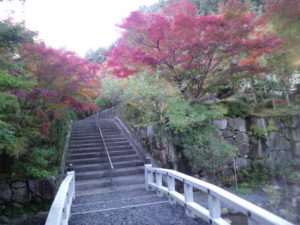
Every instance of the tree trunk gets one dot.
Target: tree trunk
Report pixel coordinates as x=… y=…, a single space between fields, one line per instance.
x=273 y=103
x=253 y=90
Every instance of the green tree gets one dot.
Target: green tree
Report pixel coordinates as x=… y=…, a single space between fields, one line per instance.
x=284 y=17
x=98 y=56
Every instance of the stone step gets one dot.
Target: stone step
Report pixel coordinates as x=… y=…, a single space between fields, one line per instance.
x=84 y=132
x=85 y=138
x=87 y=150
x=101 y=148
x=85 y=194
x=94 y=135
x=115 y=173
x=119 y=147
x=99 y=154
x=85 y=145
x=86 y=207
x=113 y=140
x=102 y=159
x=119 y=143
x=87 y=141
x=110 y=129
x=105 y=182
x=113 y=136
x=103 y=166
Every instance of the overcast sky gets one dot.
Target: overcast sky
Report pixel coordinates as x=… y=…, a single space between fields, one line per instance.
x=77 y=25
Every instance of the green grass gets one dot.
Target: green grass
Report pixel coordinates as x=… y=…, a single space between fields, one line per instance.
x=244 y=191
x=280 y=111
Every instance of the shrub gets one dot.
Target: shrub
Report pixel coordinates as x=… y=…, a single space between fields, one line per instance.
x=257 y=132
x=225 y=92
x=259 y=173
x=238 y=109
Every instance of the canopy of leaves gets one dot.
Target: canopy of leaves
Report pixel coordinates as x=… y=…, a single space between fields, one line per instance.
x=62 y=78
x=41 y=89
x=98 y=56
x=11 y=35
x=195 y=51
x=284 y=16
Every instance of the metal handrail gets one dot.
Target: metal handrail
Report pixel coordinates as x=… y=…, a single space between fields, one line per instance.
x=111 y=167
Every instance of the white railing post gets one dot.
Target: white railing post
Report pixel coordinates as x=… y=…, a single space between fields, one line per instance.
x=188 y=197
x=148 y=178
x=171 y=187
x=158 y=183
x=214 y=206
x=72 y=173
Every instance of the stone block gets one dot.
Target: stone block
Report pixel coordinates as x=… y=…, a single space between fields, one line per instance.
x=5 y=191
x=298 y=208
x=232 y=141
x=241 y=164
x=242 y=138
x=243 y=149
x=295 y=134
x=44 y=189
x=21 y=195
x=296 y=149
x=150 y=131
x=294 y=189
x=228 y=133
x=238 y=124
x=258 y=150
x=18 y=184
x=221 y=124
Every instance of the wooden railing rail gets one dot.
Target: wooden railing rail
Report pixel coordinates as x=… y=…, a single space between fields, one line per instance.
x=216 y=196
x=60 y=209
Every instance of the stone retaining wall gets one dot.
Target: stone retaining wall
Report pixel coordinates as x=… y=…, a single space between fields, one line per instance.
x=20 y=192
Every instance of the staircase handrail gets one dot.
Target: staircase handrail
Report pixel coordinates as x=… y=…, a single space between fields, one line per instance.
x=111 y=166
x=216 y=195
x=60 y=209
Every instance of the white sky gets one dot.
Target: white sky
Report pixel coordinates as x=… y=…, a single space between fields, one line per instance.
x=77 y=25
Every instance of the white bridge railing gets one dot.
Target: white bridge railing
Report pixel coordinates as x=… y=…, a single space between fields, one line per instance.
x=60 y=209
x=216 y=196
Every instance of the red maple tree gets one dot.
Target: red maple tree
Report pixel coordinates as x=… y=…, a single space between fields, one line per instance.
x=61 y=80
x=193 y=50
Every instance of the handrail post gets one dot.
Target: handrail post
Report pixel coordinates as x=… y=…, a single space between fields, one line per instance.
x=188 y=197
x=171 y=187
x=158 y=177
x=71 y=172
x=214 y=206
x=147 y=173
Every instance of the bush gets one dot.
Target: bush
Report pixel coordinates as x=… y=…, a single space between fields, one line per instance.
x=225 y=92
x=258 y=133
x=104 y=103
x=258 y=174
x=238 y=109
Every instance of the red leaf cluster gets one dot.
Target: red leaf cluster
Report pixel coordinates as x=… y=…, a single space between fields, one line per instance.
x=60 y=77
x=180 y=42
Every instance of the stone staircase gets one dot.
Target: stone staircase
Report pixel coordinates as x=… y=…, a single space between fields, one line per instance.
x=125 y=201
x=89 y=158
